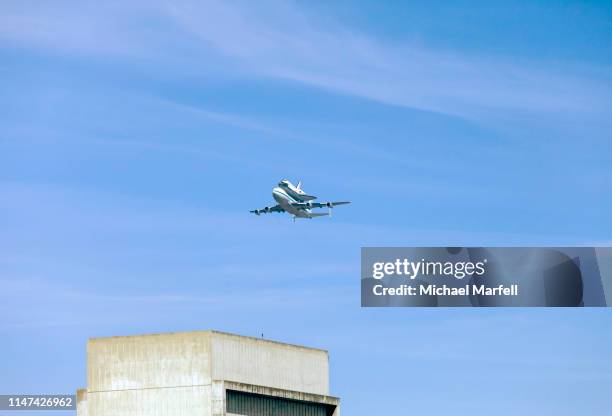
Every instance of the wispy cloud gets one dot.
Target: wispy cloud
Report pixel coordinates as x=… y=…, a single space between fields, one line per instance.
x=289 y=44
x=37 y=302
x=281 y=40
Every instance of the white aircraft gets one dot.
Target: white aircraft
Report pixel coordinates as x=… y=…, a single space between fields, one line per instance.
x=295 y=201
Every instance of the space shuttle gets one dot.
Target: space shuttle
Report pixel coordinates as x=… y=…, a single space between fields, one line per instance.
x=295 y=191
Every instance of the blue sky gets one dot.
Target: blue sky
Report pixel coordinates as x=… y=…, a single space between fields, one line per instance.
x=136 y=136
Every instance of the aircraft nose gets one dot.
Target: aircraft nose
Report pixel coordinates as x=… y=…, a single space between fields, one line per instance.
x=275 y=194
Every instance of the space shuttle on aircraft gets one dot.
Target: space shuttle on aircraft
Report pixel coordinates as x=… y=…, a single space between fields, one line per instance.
x=293 y=200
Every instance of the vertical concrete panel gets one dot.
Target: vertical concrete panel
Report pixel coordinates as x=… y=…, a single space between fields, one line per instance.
x=218 y=398
x=267 y=363
x=180 y=401
x=149 y=361
x=81 y=402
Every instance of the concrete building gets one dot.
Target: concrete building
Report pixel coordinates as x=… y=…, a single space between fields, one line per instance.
x=204 y=373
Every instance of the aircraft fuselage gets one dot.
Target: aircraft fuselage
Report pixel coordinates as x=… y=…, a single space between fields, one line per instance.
x=285 y=200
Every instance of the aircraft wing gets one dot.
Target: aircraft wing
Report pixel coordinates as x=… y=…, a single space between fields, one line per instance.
x=265 y=210
x=308 y=205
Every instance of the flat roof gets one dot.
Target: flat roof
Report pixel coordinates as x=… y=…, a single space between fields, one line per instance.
x=209 y=331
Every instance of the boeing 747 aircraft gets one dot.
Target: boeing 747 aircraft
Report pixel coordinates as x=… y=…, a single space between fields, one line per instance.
x=293 y=200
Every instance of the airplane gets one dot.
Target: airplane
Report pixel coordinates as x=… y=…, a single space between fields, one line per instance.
x=293 y=200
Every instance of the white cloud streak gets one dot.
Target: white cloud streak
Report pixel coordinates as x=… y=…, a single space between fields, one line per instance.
x=281 y=41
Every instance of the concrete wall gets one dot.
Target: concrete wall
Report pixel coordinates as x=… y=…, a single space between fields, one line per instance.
x=176 y=401
x=153 y=375
x=81 y=402
x=148 y=361
x=268 y=363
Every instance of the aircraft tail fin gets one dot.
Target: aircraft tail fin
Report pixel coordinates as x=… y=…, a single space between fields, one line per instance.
x=299 y=185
